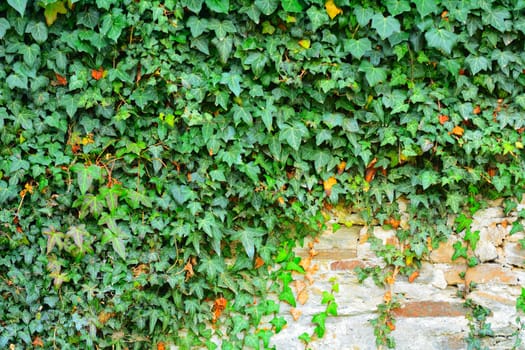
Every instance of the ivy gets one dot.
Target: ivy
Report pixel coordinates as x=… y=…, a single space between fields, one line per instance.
x=158 y=157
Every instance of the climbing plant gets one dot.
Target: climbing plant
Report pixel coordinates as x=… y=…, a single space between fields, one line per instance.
x=159 y=157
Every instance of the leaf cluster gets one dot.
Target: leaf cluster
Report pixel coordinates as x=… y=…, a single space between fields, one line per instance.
x=158 y=155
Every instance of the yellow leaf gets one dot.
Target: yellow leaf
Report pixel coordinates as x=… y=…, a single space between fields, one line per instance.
x=328 y=184
x=305 y=43
x=332 y=9
x=458 y=131
x=519 y=145
x=51 y=11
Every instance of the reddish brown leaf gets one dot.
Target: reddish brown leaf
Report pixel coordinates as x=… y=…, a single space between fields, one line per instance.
x=443 y=119
x=97 y=74
x=60 y=80
x=218 y=307
x=258 y=262
x=370 y=173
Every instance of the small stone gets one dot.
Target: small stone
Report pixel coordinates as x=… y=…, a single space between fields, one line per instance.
x=439 y=280
x=486 y=251
x=514 y=255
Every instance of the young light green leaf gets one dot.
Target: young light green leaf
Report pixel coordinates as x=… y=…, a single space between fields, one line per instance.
x=219 y=6
x=441 y=39
x=292 y=5
x=385 y=26
x=18 y=5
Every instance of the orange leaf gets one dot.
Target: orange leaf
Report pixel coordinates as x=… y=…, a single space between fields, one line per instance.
x=443 y=119
x=387 y=297
x=504 y=223
x=97 y=74
x=280 y=200
x=370 y=174
x=37 y=341
x=258 y=262
x=328 y=184
x=302 y=297
x=332 y=9
x=218 y=307
x=295 y=313
x=341 y=167
x=390 y=325
x=413 y=276
x=458 y=131
x=390 y=280
x=477 y=110
x=161 y=346
x=492 y=172
x=60 y=80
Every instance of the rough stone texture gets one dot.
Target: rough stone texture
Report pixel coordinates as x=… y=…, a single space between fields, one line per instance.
x=431 y=315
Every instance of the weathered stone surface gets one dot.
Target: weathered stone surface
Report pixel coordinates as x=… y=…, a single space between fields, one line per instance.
x=444 y=253
x=486 y=251
x=431 y=315
x=430 y=308
x=347 y=265
x=514 y=254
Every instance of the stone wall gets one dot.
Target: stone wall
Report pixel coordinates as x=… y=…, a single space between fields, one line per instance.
x=432 y=315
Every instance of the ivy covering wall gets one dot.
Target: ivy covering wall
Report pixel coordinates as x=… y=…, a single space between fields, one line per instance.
x=158 y=156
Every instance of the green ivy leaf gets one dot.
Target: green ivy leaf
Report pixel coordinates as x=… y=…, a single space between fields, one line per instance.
x=224 y=47
x=441 y=39
x=197 y=25
x=267 y=7
x=498 y=18
x=250 y=239
x=358 y=47
x=426 y=7
x=30 y=54
x=320 y=320
x=292 y=5
x=317 y=16
x=86 y=175
x=38 y=31
x=373 y=75
x=4 y=26
x=220 y=6
x=429 y=178
x=396 y=7
x=293 y=134
x=193 y=5
x=363 y=15
x=517 y=226
x=18 y=5
x=477 y=63
x=279 y=323
x=385 y=26
x=233 y=81
x=17 y=81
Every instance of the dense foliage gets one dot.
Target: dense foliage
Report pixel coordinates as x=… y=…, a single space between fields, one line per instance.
x=157 y=156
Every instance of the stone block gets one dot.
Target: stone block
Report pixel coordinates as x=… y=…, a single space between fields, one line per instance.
x=347 y=265
x=444 y=253
x=483 y=273
x=430 y=308
x=486 y=251
x=514 y=254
